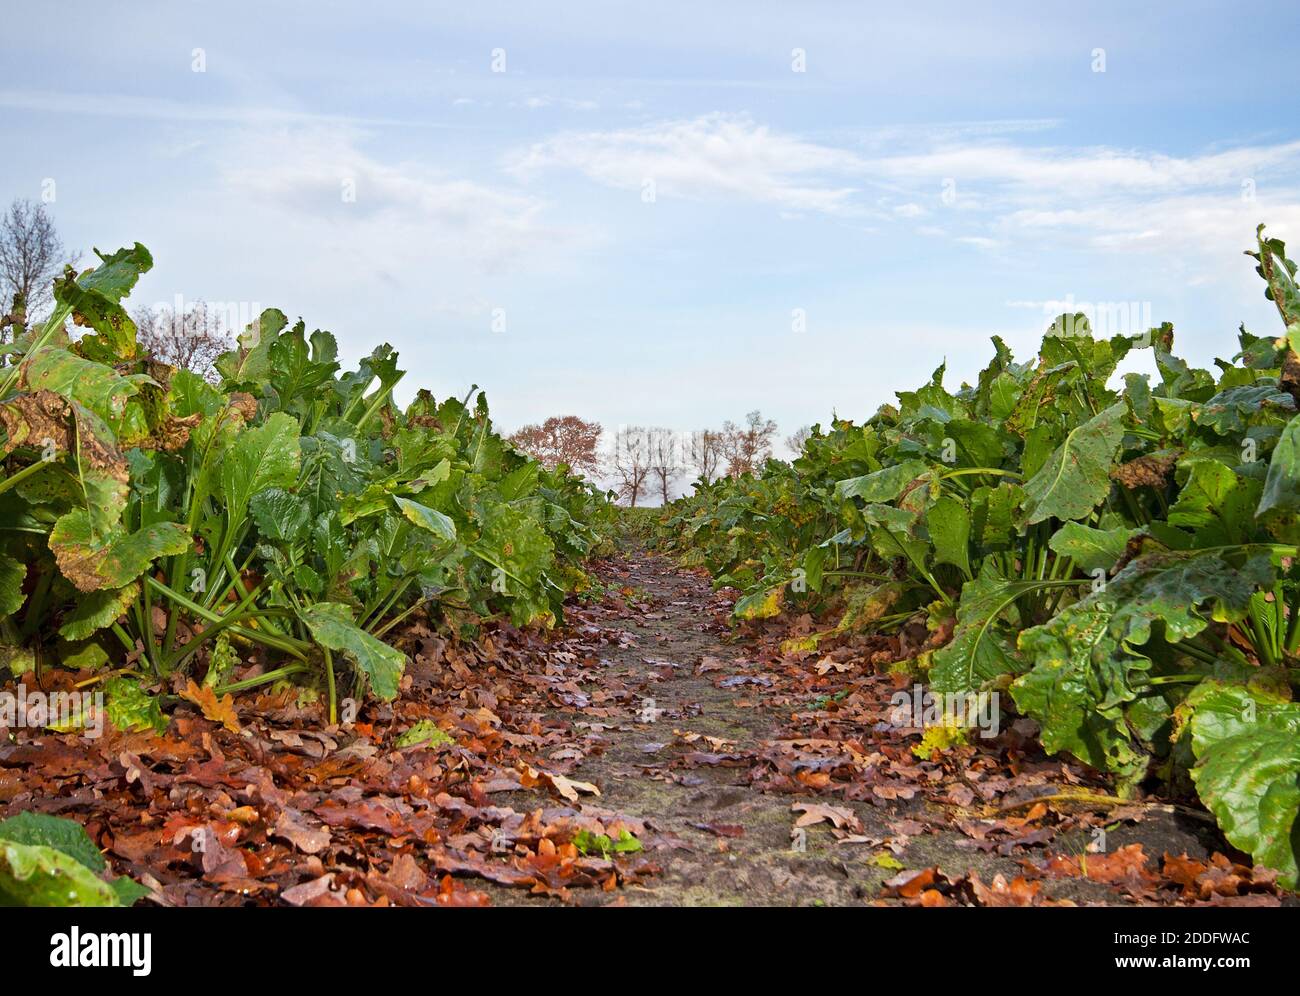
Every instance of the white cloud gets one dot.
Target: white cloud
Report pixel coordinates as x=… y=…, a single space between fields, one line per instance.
x=1210 y=223
x=540 y=102
x=1107 y=199
x=391 y=213
x=710 y=156
x=119 y=105
x=1079 y=172
x=1007 y=195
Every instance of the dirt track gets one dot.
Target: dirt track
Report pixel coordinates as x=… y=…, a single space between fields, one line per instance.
x=721 y=839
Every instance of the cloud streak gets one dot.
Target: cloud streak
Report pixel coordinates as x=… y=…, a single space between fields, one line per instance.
x=996 y=195
x=390 y=214
x=712 y=156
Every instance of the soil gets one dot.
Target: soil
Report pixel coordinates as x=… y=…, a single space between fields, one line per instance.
x=721 y=840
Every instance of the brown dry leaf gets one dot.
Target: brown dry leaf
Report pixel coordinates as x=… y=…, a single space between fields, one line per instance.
x=138 y=846
x=219 y=861
x=571 y=789
x=813 y=779
x=1127 y=864
x=219 y=711
x=828 y=664
x=816 y=812
x=1184 y=871
x=566 y=787
x=317 y=892
x=136 y=770
x=406 y=873
x=717 y=743
x=1036 y=812
x=1219 y=878
x=721 y=829
x=291 y=826
x=244 y=815
x=1018 y=892
x=910 y=884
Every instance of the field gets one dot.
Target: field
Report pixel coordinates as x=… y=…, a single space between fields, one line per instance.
x=270 y=638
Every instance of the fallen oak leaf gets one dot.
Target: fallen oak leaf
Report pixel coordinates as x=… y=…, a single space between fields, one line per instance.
x=1219 y=877
x=136 y=770
x=406 y=873
x=452 y=894
x=219 y=711
x=566 y=787
x=316 y=892
x=817 y=812
x=571 y=789
x=910 y=884
x=721 y=829
x=137 y=847
x=1000 y=892
x=1127 y=865
x=218 y=860
x=813 y=779
x=244 y=815
x=828 y=664
x=291 y=826
x=1255 y=899
x=1184 y=871
x=1036 y=812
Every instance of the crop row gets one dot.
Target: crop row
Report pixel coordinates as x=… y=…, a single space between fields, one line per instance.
x=157 y=525
x=1118 y=553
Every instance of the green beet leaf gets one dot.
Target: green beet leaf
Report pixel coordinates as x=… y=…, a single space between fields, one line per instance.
x=1247 y=746
x=980 y=650
x=1087 y=662
x=91 y=563
x=949 y=525
x=32 y=875
x=53 y=831
x=1076 y=477
x=51 y=861
x=96 y=610
x=428 y=519
x=882 y=485
x=12 y=573
x=1282 y=485
x=1091 y=549
x=263 y=457
x=332 y=626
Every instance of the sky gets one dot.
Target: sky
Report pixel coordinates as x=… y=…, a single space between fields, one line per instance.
x=672 y=213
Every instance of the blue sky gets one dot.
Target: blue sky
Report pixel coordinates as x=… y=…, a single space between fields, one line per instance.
x=936 y=174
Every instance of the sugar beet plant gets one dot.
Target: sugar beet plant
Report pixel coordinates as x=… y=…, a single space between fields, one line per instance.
x=1119 y=554
x=154 y=524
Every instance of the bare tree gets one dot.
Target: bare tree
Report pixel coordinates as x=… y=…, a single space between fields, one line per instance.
x=563 y=439
x=747 y=446
x=797 y=438
x=31 y=256
x=631 y=462
x=706 y=454
x=188 y=340
x=664 y=465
